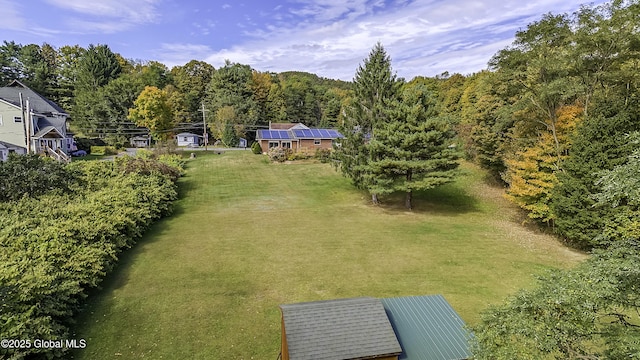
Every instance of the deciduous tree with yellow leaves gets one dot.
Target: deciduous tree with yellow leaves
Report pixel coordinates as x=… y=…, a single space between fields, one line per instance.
x=152 y=109
x=531 y=172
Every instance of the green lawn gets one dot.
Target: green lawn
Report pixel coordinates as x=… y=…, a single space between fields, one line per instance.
x=248 y=235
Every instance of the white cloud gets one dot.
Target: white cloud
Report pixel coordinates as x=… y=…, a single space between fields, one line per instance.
x=332 y=37
x=11 y=16
x=175 y=54
x=108 y=15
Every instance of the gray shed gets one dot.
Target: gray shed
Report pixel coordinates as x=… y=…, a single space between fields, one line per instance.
x=338 y=329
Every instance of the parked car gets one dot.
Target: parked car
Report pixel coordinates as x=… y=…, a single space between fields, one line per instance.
x=79 y=153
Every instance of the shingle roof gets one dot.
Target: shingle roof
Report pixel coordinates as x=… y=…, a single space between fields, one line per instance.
x=44 y=131
x=428 y=328
x=338 y=329
x=37 y=102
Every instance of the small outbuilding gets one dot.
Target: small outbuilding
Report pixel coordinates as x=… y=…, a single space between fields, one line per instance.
x=346 y=329
x=189 y=139
x=428 y=327
x=403 y=328
x=140 y=141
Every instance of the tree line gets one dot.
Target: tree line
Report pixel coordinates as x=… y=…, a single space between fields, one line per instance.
x=554 y=113
x=98 y=87
x=556 y=119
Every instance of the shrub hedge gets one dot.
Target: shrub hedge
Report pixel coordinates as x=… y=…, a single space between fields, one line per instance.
x=55 y=248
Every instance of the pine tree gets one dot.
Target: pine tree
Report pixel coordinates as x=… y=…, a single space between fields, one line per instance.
x=411 y=149
x=600 y=144
x=375 y=84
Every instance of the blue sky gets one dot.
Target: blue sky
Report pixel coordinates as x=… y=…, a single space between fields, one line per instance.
x=326 y=37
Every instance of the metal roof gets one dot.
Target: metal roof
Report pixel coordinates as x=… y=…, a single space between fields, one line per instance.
x=338 y=329
x=428 y=328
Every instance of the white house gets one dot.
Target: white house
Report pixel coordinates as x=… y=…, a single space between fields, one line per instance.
x=29 y=120
x=188 y=139
x=140 y=141
x=6 y=149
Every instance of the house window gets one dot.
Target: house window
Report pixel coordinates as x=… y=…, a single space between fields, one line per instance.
x=316 y=142
x=273 y=144
x=17 y=119
x=286 y=144
x=185 y=139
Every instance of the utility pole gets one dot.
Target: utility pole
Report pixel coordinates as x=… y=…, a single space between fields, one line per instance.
x=24 y=124
x=204 y=127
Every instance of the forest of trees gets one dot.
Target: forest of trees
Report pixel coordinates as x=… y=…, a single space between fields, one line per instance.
x=555 y=119
x=97 y=87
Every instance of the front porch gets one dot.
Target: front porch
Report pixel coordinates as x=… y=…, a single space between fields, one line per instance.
x=50 y=142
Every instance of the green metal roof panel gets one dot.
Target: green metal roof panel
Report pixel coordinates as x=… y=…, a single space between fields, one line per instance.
x=428 y=328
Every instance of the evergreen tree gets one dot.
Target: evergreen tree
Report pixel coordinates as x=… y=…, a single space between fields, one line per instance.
x=412 y=148
x=374 y=85
x=600 y=144
x=97 y=66
x=10 y=66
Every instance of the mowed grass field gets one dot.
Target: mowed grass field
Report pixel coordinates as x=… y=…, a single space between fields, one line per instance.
x=248 y=235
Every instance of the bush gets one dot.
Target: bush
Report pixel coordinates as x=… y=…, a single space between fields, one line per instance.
x=33 y=176
x=279 y=154
x=324 y=155
x=166 y=147
x=256 y=149
x=58 y=247
x=86 y=143
x=299 y=155
x=129 y=165
x=103 y=150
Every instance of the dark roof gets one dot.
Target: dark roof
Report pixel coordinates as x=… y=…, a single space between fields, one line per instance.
x=338 y=329
x=37 y=102
x=44 y=131
x=428 y=328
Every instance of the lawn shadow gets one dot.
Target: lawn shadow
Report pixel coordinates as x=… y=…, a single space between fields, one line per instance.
x=449 y=199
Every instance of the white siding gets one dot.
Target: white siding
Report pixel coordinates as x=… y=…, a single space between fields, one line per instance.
x=11 y=132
